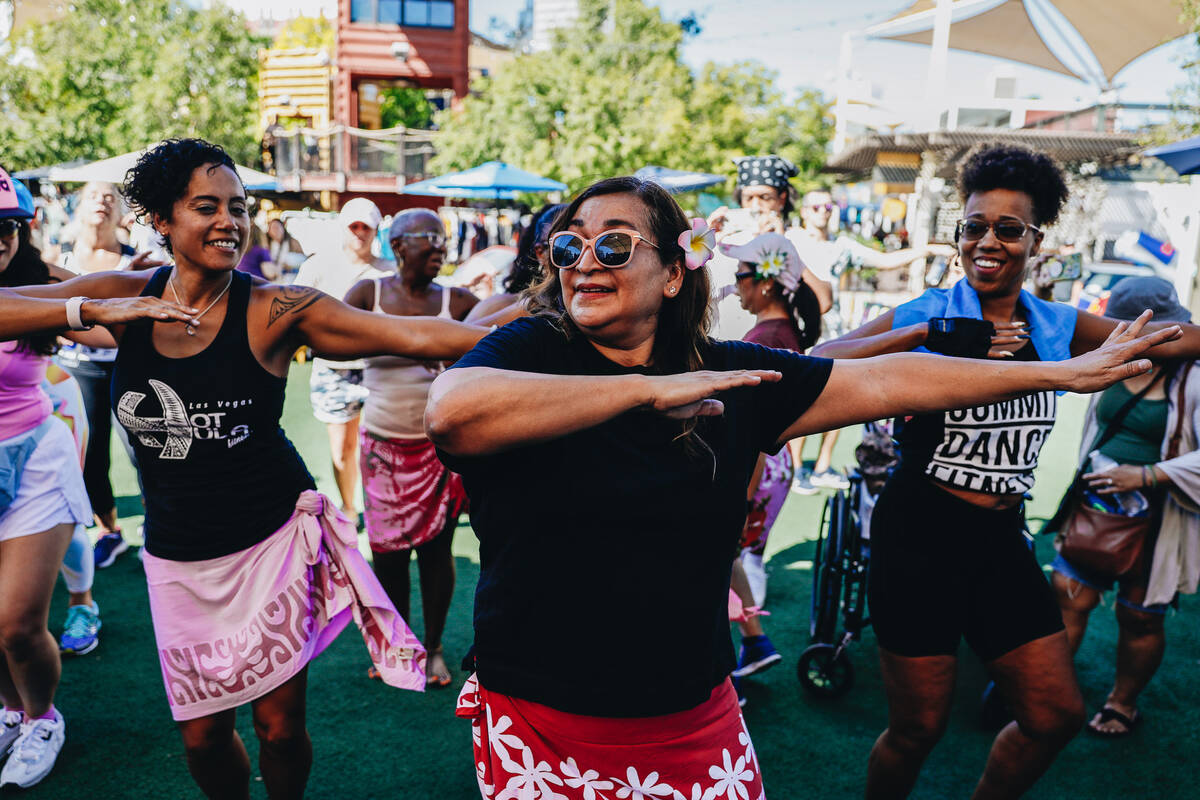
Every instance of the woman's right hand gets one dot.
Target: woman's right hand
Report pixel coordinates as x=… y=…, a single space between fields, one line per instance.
x=119 y=310
x=717 y=219
x=1008 y=334
x=689 y=394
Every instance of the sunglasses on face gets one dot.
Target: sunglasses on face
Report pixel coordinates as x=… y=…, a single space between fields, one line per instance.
x=1006 y=230
x=611 y=249
x=435 y=239
x=822 y=207
x=739 y=275
x=9 y=228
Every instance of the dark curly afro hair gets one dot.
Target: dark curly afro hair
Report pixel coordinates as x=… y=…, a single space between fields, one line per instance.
x=1006 y=166
x=161 y=175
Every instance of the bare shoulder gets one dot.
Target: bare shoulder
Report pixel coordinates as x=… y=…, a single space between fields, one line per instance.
x=285 y=301
x=461 y=301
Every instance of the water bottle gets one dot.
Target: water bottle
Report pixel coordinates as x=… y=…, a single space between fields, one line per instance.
x=1132 y=503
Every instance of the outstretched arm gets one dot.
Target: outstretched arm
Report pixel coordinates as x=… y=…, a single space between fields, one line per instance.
x=482 y=410
x=914 y=383
x=112 y=301
x=1091 y=331
x=335 y=330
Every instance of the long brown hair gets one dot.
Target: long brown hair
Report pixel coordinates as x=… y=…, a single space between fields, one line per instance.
x=681 y=337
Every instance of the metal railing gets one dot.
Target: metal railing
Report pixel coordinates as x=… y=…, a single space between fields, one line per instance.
x=354 y=151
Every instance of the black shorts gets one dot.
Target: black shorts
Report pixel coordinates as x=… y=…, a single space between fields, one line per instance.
x=943 y=569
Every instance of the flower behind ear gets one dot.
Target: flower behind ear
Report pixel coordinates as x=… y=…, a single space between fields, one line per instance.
x=698 y=243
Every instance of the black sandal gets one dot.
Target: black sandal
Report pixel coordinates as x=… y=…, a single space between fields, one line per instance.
x=1110 y=714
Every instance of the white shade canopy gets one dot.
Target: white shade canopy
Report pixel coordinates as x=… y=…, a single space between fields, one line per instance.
x=1115 y=31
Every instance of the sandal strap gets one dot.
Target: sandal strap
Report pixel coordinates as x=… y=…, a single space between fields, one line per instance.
x=1110 y=714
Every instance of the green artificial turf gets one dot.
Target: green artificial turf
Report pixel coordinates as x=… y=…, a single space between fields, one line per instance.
x=372 y=741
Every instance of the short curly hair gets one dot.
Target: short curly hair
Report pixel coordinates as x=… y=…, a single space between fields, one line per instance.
x=162 y=173
x=990 y=166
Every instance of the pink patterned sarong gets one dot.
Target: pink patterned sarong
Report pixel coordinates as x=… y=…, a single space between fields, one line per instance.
x=408 y=494
x=232 y=629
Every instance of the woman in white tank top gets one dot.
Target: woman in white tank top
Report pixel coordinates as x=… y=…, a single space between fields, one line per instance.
x=411 y=501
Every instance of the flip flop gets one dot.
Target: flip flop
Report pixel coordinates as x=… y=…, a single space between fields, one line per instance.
x=1109 y=714
x=439 y=682
x=373 y=674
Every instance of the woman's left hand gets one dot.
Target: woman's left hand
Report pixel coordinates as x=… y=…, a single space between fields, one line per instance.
x=1121 y=478
x=1118 y=358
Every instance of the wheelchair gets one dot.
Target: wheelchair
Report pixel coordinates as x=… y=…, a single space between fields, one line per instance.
x=839 y=594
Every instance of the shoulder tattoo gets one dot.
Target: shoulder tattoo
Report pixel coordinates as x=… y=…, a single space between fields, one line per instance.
x=292 y=300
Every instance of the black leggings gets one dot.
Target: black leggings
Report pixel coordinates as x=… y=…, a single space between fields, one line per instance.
x=95 y=380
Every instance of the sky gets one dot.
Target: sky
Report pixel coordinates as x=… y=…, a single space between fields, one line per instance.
x=800 y=39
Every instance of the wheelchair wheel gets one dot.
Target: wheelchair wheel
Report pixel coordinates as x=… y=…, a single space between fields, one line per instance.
x=827 y=570
x=825 y=672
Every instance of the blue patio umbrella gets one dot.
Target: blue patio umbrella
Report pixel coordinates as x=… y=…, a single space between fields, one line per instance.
x=494 y=179
x=1182 y=156
x=677 y=180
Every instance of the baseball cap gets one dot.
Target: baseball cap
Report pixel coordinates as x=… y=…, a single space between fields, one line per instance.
x=774 y=255
x=15 y=199
x=360 y=209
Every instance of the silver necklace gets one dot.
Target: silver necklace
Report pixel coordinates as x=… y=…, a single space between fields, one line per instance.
x=191 y=329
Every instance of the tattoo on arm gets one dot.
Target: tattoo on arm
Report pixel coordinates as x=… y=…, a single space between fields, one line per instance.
x=292 y=300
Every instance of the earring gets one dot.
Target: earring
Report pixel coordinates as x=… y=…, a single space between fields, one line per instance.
x=672 y=290
x=765 y=293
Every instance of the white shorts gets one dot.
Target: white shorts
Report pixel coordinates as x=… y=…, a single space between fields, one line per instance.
x=51 y=491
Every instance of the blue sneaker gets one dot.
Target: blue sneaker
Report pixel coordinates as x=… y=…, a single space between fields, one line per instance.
x=737 y=687
x=757 y=654
x=108 y=547
x=81 y=632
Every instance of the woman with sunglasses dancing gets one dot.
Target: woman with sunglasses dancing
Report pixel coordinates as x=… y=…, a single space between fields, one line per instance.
x=410 y=500
x=643 y=432
x=251 y=572
x=948 y=558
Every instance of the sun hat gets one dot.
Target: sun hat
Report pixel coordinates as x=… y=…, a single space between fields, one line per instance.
x=15 y=199
x=1131 y=296
x=772 y=255
x=360 y=209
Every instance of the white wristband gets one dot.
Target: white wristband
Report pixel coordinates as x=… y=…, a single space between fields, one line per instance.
x=74 y=320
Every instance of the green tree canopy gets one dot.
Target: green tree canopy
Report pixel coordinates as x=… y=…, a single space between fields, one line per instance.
x=305 y=32
x=112 y=76
x=613 y=94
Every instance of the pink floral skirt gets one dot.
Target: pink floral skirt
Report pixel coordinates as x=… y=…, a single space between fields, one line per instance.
x=232 y=629
x=408 y=494
x=530 y=751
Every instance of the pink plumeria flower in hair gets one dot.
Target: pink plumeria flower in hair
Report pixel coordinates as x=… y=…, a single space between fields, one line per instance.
x=698 y=243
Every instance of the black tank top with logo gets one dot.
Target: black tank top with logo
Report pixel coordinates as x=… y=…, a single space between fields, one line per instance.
x=218 y=472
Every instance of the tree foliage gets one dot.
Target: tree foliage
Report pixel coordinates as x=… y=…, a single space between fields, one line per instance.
x=613 y=94
x=1185 y=121
x=112 y=76
x=404 y=107
x=306 y=32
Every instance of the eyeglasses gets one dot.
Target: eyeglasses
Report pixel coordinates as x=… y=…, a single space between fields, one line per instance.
x=9 y=228
x=737 y=276
x=435 y=239
x=822 y=207
x=611 y=249
x=1006 y=230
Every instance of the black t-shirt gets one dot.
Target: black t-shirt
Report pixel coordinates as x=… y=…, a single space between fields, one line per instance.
x=606 y=554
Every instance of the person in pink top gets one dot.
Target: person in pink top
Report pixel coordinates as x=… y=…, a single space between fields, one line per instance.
x=42 y=503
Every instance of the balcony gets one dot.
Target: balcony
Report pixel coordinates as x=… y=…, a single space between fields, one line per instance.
x=344 y=159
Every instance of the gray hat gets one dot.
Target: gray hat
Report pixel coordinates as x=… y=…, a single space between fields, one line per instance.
x=1131 y=296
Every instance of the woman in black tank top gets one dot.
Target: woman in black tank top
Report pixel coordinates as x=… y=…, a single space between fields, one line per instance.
x=198 y=384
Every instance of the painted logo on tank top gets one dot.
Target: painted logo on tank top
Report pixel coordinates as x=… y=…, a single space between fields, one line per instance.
x=180 y=422
x=994 y=448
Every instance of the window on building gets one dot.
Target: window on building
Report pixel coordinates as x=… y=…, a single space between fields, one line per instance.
x=413 y=13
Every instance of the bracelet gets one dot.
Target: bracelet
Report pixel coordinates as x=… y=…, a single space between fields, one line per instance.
x=74 y=319
x=1147 y=475
x=1153 y=476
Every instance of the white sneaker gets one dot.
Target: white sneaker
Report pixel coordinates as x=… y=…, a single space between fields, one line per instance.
x=35 y=752
x=10 y=729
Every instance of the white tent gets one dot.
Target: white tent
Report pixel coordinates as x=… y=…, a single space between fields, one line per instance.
x=113 y=170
